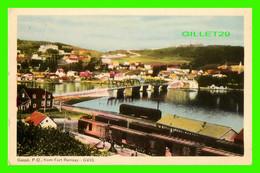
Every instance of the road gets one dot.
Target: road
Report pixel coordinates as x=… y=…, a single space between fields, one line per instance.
x=134 y=54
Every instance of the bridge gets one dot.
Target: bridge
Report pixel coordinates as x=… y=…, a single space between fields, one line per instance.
x=102 y=92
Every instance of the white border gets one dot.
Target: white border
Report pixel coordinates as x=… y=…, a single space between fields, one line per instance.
x=197 y=160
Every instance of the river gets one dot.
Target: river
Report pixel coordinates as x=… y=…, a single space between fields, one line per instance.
x=224 y=107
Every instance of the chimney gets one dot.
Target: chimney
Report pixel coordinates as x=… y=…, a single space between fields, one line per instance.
x=204 y=124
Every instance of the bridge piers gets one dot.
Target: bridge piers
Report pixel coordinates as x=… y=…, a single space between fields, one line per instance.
x=143 y=88
x=120 y=93
x=156 y=89
x=164 y=88
x=136 y=91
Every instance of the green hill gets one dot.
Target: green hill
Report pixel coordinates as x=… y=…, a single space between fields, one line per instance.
x=29 y=47
x=197 y=56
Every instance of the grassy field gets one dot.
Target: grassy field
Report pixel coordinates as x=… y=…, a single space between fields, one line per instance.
x=73 y=99
x=55 y=113
x=155 y=61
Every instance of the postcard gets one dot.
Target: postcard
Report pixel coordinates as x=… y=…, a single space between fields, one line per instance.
x=128 y=86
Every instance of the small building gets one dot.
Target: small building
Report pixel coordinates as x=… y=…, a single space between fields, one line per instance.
x=223 y=67
x=115 y=63
x=27 y=77
x=132 y=67
x=110 y=66
x=39 y=119
x=72 y=60
x=219 y=75
x=60 y=72
x=72 y=73
x=61 y=52
x=30 y=99
x=81 y=58
x=150 y=72
x=37 y=57
x=165 y=73
x=239 y=138
x=112 y=74
x=87 y=74
x=148 y=67
x=237 y=68
x=119 y=76
x=106 y=61
x=44 y=48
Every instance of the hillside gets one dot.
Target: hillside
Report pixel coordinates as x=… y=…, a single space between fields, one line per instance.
x=197 y=56
x=29 y=47
x=190 y=56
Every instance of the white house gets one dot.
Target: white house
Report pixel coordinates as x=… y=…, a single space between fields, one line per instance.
x=200 y=72
x=72 y=73
x=39 y=119
x=27 y=76
x=106 y=61
x=148 y=67
x=150 y=72
x=219 y=75
x=60 y=72
x=37 y=57
x=119 y=76
x=110 y=66
x=72 y=60
x=126 y=63
x=43 y=48
x=132 y=67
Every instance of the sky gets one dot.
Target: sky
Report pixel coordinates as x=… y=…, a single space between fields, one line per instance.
x=104 y=33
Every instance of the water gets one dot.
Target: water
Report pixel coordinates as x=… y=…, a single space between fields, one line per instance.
x=65 y=87
x=71 y=125
x=218 y=107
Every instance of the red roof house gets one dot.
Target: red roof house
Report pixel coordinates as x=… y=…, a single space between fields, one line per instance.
x=240 y=137
x=40 y=119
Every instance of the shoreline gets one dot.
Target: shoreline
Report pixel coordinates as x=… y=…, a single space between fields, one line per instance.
x=70 y=100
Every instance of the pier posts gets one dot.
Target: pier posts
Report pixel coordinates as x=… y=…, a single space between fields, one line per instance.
x=120 y=93
x=136 y=91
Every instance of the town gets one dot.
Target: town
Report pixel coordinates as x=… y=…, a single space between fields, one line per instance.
x=134 y=130
x=80 y=65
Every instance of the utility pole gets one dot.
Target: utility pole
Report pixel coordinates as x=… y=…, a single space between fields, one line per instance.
x=60 y=100
x=158 y=103
x=64 y=125
x=44 y=100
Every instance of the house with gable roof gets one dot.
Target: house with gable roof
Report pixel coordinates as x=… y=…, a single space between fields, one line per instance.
x=30 y=99
x=39 y=119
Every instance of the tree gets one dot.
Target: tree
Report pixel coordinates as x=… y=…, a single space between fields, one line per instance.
x=52 y=52
x=36 y=141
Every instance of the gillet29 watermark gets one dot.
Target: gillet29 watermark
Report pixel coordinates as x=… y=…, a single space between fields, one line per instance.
x=206 y=34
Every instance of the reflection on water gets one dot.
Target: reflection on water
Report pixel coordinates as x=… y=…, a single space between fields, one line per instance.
x=218 y=108
x=181 y=96
x=62 y=88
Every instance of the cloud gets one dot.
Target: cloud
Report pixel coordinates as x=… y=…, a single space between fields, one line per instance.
x=126 y=32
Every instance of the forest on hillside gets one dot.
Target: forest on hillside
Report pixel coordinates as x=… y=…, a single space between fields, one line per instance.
x=201 y=57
